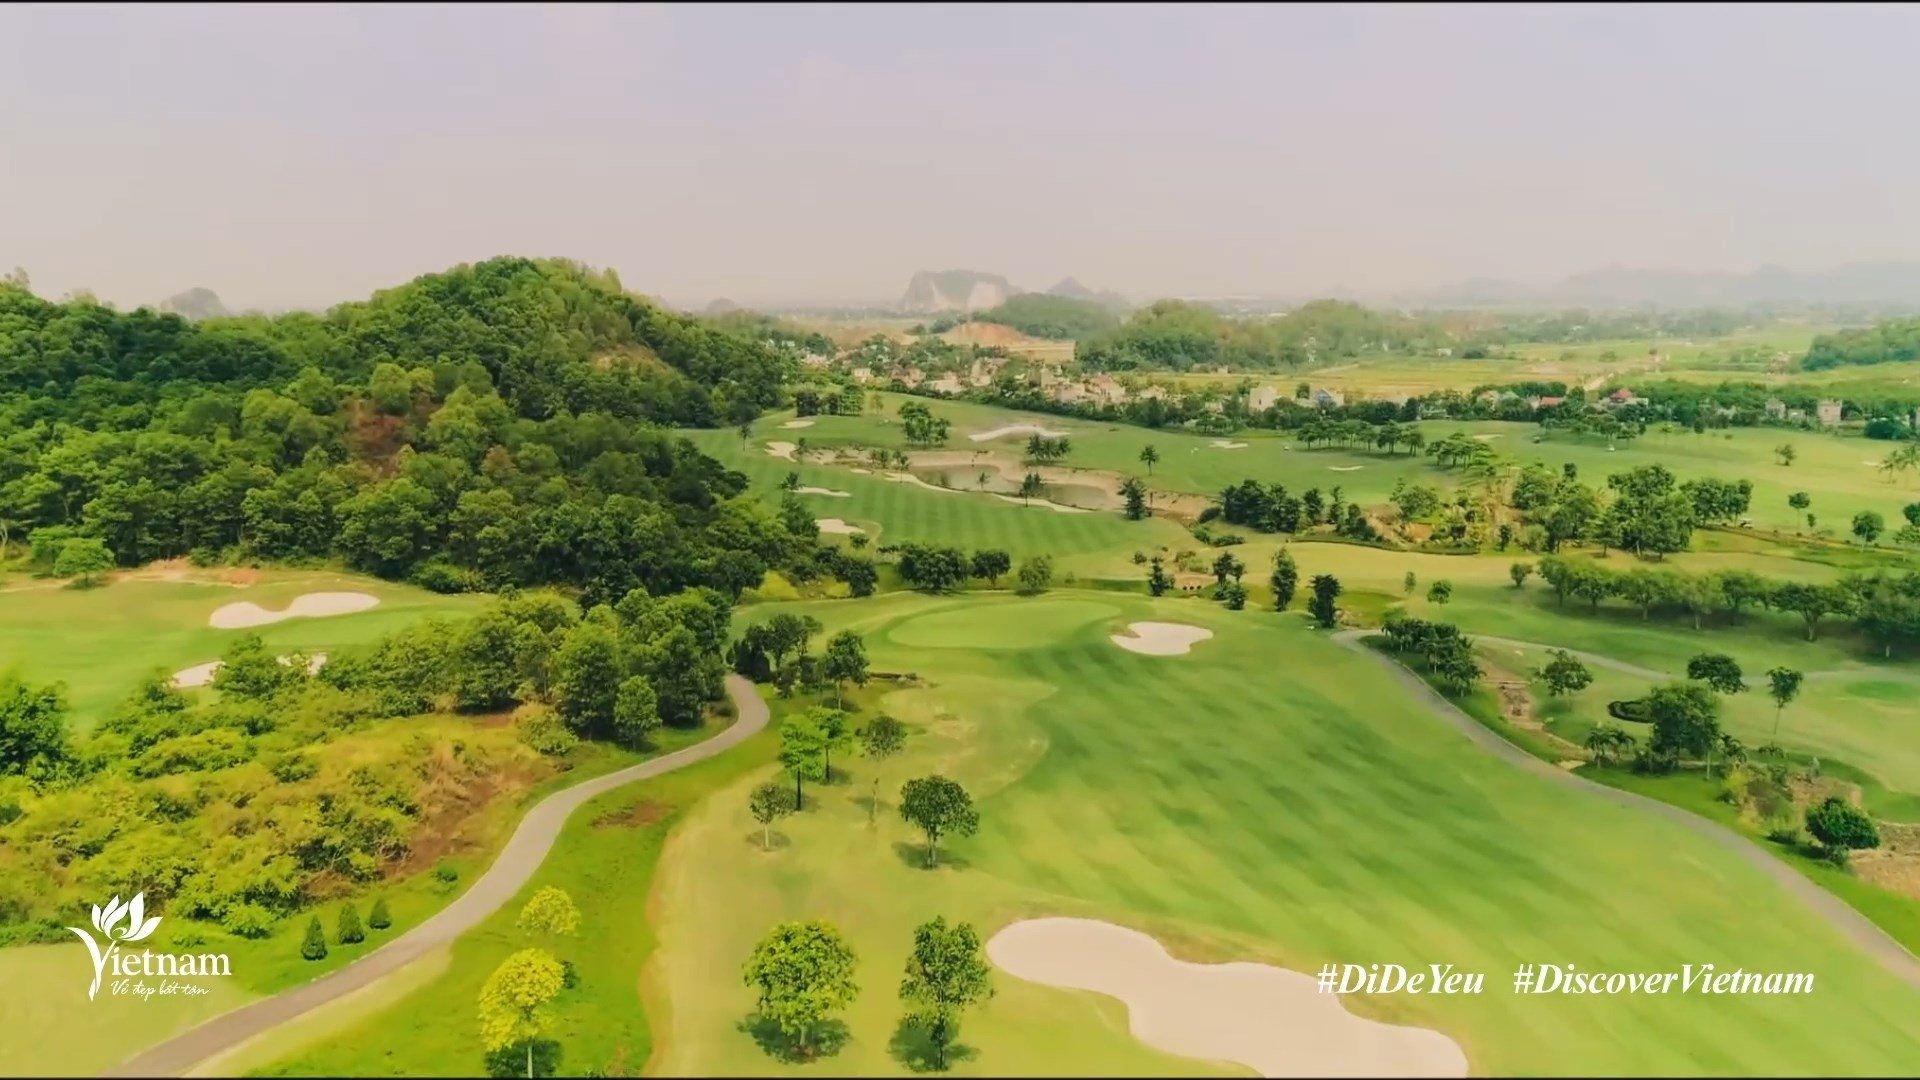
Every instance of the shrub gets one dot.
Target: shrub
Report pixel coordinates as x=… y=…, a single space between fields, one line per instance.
x=445 y=874
x=250 y=921
x=349 y=931
x=444 y=577
x=314 y=947
x=378 y=917
x=544 y=733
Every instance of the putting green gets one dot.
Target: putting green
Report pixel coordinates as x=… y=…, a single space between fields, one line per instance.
x=1269 y=799
x=1000 y=624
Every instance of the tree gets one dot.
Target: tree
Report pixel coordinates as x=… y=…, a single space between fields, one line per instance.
x=1868 y=525
x=1440 y=592
x=378 y=918
x=1031 y=486
x=1285 y=580
x=1408 y=584
x=1783 y=685
x=1136 y=495
x=803 y=972
x=1035 y=575
x=946 y=973
x=1227 y=566
x=33 y=725
x=1326 y=589
x=845 y=661
x=1519 y=572
x=1840 y=827
x=938 y=807
x=1718 y=671
x=586 y=679
x=348 y=931
x=1608 y=743
x=1565 y=674
x=1149 y=457
x=1785 y=453
x=882 y=738
x=1234 y=595
x=636 y=712
x=803 y=751
x=1911 y=512
x=1685 y=718
x=549 y=911
x=1799 y=500
x=768 y=803
x=1158 y=581
x=84 y=559
x=513 y=1001
x=314 y=945
x=1810 y=602
x=991 y=563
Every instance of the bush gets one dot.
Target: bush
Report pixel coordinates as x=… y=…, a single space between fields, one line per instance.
x=1633 y=712
x=544 y=733
x=569 y=975
x=378 y=917
x=249 y=921
x=349 y=931
x=445 y=874
x=444 y=577
x=314 y=947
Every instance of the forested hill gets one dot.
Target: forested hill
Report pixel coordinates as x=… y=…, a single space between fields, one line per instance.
x=479 y=428
x=1177 y=335
x=551 y=336
x=1883 y=343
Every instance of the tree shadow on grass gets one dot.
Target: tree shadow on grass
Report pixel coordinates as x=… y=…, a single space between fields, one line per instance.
x=914 y=857
x=768 y=843
x=512 y=1061
x=911 y=1047
x=828 y=1038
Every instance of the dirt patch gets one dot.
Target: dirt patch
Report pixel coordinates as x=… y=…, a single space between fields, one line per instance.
x=644 y=812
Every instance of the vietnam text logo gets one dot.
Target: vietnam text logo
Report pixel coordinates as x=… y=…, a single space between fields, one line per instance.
x=123 y=924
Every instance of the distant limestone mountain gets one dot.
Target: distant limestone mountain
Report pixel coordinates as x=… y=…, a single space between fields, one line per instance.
x=1073 y=290
x=722 y=306
x=1895 y=283
x=956 y=290
x=195 y=303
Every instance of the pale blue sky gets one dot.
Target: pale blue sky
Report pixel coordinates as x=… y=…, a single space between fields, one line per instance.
x=302 y=155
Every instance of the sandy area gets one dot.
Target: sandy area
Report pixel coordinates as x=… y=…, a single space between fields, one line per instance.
x=202 y=674
x=1058 y=508
x=797 y=424
x=864 y=472
x=1015 y=429
x=1269 y=1019
x=1488 y=438
x=1161 y=638
x=909 y=478
x=312 y=605
x=1228 y=444
x=823 y=491
x=835 y=525
x=782 y=449
x=1346 y=468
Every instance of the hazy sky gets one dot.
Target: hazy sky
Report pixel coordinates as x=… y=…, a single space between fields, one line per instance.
x=301 y=155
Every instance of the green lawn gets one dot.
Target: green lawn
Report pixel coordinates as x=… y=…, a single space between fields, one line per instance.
x=103 y=641
x=1258 y=799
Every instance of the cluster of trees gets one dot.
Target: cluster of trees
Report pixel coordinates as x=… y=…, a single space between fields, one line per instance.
x=846 y=400
x=228 y=808
x=1446 y=653
x=472 y=429
x=1059 y=318
x=1645 y=510
x=1883 y=343
x=1175 y=335
x=1883 y=607
x=1272 y=508
x=1042 y=449
x=937 y=568
x=921 y=426
x=515 y=999
x=803 y=973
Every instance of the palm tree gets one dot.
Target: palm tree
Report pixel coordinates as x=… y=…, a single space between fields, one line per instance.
x=1149 y=456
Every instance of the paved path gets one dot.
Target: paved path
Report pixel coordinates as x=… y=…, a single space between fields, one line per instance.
x=524 y=853
x=1851 y=924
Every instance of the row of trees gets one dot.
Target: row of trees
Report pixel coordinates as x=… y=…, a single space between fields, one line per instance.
x=937 y=569
x=1446 y=653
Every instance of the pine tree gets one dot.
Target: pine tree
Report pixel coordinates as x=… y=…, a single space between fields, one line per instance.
x=349 y=932
x=378 y=917
x=315 y=945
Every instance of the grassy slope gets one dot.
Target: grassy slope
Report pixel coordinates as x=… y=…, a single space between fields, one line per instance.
x=1240 y=802
x=605 y=858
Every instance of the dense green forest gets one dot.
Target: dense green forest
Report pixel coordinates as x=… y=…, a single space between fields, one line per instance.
x=1179 y=336
x=1882 y=343
x=1060 y=318
x=489 y=426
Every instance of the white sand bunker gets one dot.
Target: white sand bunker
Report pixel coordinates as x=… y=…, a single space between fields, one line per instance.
x=1486 y=438
x=835 y=525
x=1058 y=508
x=797 y=424
x=823 y=491
x=1273 y=1021
x=864 y=472
x=1228 y=444
x=1161 y=638
x=1346 y=468
x=202 y=674
x=313 y=605
x=782 y=449
x=1015 y=429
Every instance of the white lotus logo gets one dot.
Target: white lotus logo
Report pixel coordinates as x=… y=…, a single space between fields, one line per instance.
x=116 y=923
